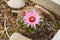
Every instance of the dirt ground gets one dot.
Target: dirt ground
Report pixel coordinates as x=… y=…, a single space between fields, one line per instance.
x=11 y=22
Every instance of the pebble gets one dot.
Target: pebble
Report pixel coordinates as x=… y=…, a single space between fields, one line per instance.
x=57 y=36
x=18 y=36
x=16 y=3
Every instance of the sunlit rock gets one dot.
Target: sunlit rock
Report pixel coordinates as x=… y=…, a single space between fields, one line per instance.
x=16 y=3
x=57 y=36
x=18 y=36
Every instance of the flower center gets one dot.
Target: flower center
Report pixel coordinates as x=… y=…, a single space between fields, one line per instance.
x=32 y=19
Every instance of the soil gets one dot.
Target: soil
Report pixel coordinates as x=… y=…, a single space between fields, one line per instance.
x=46 y=31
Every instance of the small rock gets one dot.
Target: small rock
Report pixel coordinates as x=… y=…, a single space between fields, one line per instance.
x=18 y=36
x=56 y=1
x=16 y=3
x=57 y=36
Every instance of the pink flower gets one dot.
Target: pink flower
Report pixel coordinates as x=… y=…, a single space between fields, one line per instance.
x=32 y=18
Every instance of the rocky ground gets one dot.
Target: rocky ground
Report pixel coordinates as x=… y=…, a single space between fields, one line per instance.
x=13 y=24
